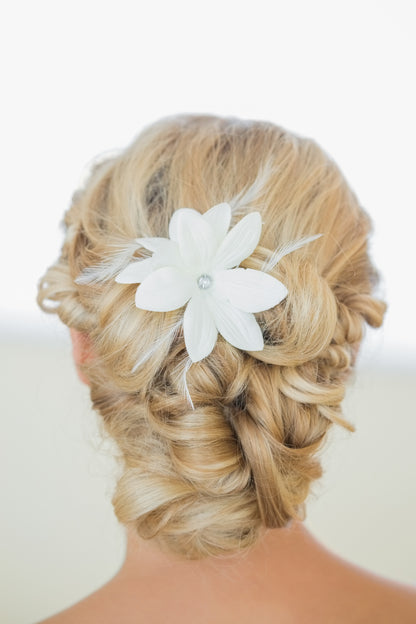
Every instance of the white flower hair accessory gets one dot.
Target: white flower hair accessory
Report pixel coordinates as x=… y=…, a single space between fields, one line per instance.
x=198 y=266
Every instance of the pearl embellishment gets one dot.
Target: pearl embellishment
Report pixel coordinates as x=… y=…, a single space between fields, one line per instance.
x=204 y=281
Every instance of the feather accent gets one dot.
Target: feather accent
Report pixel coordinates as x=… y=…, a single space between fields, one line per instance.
x=251 y=194
x=167 y=336
x=187 y=366
x=109 y=268
x=286 y=249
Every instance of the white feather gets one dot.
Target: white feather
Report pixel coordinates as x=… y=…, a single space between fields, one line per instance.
x=168 y=335
x=187 y=366
x=251 y=194
x=286 y=249
x=109 y=268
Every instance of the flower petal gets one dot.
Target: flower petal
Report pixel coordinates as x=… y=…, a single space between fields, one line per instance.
x=158 y=244
x=167 y=288
x=199 y=328
x=136 y=272
x=240 y=242
x=196 y=240
x=237 y=327
x=166 y=251
x=219 y=217
x=248 y=289
x=174 y=221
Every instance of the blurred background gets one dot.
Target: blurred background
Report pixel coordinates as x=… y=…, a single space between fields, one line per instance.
x=82 y=78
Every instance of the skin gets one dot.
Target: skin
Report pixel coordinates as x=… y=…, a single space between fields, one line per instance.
x=288 y=577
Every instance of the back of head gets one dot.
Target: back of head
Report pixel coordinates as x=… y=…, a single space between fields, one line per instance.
x=206 y=481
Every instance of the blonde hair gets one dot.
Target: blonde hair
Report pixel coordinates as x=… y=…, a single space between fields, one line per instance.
x=207 y=482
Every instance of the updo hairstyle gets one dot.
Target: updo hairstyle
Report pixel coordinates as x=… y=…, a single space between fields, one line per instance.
x=208 y=481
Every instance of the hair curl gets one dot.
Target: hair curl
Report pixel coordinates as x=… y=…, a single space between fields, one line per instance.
x=206 y=482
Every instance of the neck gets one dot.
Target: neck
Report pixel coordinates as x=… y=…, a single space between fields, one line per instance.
x=285 y=546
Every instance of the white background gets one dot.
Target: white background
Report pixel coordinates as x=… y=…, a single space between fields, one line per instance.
x=82 y=78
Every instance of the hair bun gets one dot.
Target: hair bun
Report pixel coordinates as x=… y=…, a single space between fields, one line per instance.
x=207 y=481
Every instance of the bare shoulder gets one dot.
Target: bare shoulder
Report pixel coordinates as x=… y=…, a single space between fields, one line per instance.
x=315 y=587
x=103 y=606
x=362 y=598
x=374 y=598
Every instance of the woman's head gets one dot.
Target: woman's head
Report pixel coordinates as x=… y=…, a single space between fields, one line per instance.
x=207 y=481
